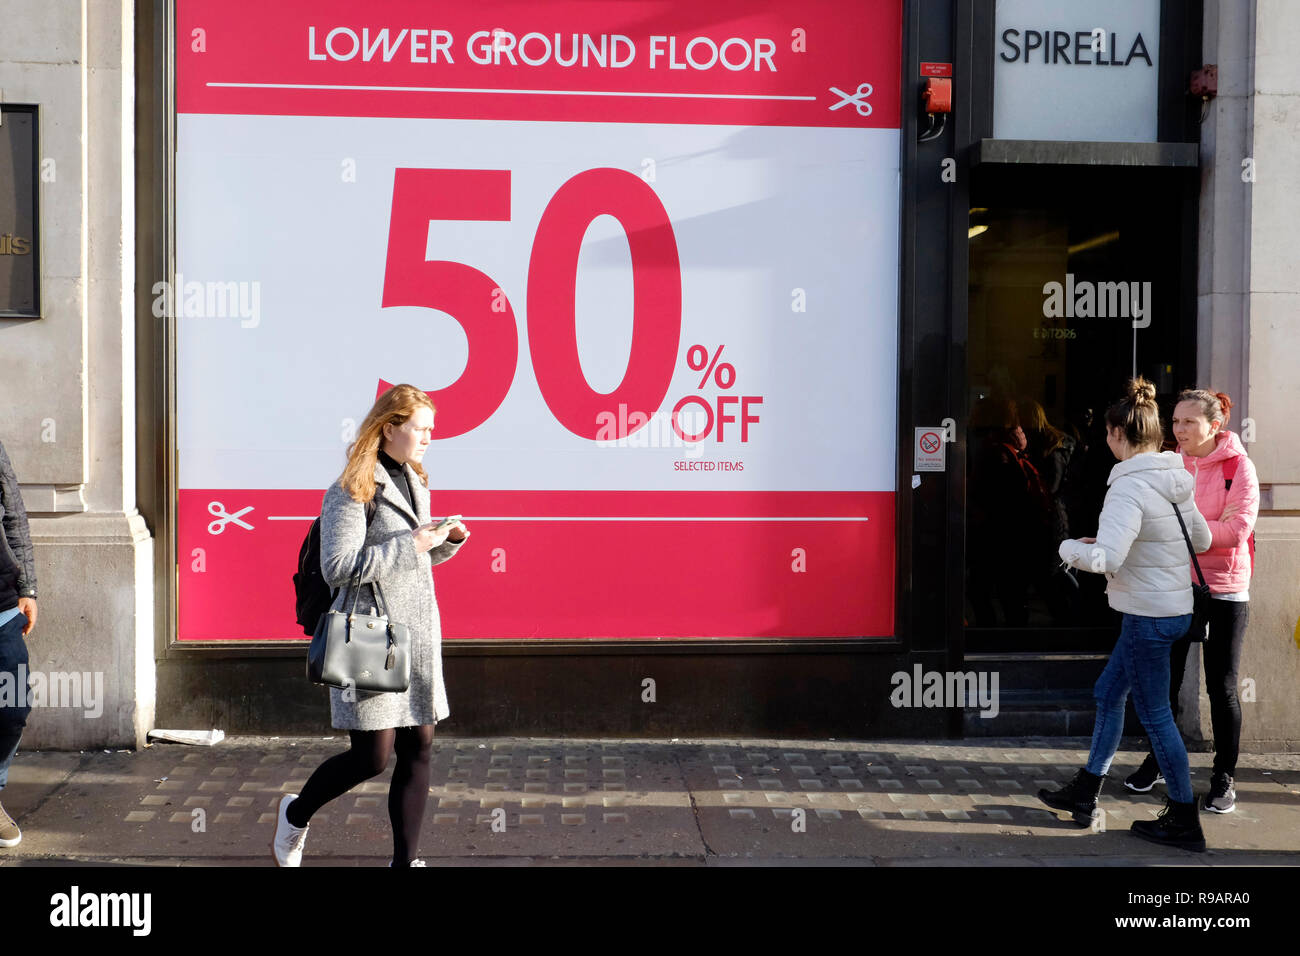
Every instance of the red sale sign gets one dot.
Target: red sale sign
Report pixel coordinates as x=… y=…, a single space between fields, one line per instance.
x=645 y=267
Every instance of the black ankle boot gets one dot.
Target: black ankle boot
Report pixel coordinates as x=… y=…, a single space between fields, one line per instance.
x=1078 y=797
x=1179 y=824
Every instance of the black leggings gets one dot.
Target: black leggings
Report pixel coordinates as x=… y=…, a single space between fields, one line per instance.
x=407 y=794
x=1221 y=657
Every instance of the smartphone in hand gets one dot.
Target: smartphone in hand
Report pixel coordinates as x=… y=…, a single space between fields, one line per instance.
x=447 y=521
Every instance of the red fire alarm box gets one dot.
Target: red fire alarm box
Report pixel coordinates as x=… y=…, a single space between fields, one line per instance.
x=937 y=96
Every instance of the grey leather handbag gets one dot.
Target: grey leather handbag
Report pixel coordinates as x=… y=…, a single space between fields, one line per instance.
x=366 y=652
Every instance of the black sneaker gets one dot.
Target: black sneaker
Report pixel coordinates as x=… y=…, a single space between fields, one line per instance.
x=1222 y=797
x=1146 y=776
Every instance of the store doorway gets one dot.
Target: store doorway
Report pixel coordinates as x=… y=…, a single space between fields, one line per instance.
x=1078 y=277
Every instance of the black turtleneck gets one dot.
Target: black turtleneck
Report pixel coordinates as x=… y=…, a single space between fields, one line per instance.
x=398 y=474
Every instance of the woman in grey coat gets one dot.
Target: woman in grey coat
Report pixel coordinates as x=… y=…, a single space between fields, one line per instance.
x=397 y=547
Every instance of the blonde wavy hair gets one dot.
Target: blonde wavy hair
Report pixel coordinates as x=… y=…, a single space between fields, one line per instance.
x=393 y=407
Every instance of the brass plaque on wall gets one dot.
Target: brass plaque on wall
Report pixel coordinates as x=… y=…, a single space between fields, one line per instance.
x=20 y=267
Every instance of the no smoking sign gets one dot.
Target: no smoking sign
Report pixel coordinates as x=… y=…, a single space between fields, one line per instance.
x=927 y=450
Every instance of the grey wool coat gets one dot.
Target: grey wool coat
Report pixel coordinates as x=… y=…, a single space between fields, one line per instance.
x=386 y=552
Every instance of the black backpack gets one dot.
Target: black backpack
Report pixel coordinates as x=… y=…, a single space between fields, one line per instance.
x=312 y=596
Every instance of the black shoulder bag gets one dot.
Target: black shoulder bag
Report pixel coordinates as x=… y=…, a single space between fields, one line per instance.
x=1200 y=592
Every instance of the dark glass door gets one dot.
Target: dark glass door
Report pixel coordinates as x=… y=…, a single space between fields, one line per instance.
x=1078 y=278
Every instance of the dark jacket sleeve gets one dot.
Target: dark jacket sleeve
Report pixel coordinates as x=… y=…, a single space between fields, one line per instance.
x=18 y=538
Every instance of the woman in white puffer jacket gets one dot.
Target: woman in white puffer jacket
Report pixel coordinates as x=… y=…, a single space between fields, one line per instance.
x=1141 y=550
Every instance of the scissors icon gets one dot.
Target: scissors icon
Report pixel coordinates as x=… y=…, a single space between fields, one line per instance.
x=858 y=99
x=224 y=518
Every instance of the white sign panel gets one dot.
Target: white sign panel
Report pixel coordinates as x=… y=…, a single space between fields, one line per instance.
x=927 y=449
x=1064 y=70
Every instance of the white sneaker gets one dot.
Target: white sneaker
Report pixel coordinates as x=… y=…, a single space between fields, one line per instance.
x=412 y=863
x=289 y=840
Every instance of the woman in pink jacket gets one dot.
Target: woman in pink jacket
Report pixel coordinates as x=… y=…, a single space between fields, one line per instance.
x=1227 y=494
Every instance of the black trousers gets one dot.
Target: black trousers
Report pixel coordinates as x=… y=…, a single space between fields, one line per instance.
x=1220 y=658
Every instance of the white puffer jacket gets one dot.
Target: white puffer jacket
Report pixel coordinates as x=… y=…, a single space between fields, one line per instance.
x=1140 y=546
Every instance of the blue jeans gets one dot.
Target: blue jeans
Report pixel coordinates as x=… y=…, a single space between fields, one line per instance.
x=1140 y=663
x=14 y=699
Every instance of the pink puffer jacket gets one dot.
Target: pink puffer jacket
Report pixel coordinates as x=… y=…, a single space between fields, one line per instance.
x=1230 y=514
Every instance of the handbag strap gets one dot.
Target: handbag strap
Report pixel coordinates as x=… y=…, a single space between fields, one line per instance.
x=1196 y=564
x=355 y=581
x=356 y=593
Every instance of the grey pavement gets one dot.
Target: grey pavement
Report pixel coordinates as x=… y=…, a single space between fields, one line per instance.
x=531 y=801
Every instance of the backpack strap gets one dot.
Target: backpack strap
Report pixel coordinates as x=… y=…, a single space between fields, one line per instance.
x=371 y=507
x=1229 y=472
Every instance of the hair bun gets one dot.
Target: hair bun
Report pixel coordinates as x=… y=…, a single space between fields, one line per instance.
x=1141 y=392
x=1224 y=402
